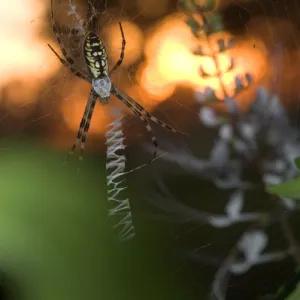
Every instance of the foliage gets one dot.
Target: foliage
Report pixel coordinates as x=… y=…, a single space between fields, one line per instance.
x=204 y=26
x=290 y=189
x=261 y=137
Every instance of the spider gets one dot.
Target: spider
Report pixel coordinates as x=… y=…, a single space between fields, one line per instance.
x=99 y=77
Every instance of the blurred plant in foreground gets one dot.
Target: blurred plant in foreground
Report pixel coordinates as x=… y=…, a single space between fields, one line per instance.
x=260 y=138
x=264 y=139
x=206 y=24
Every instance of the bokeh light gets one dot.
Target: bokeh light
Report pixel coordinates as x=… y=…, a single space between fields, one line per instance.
x=24 y=55
x=160 y=57
x=170 y=59
x=134 y=42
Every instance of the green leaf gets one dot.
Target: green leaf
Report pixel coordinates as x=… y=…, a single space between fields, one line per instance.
x=293 y=287
x=297 y=162
x=295 y=295
x=290 y=189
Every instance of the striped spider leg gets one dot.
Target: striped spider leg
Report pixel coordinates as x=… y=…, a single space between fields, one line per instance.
x=144 y=115
x=119 y=94
x=69 y=62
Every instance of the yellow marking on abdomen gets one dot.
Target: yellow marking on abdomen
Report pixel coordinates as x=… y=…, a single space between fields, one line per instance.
x=95 y=55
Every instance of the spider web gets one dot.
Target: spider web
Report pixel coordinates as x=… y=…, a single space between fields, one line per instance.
x=201 y=251
x=78 y=19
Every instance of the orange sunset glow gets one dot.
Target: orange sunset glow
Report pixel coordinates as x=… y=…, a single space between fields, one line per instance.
x=24 y=55
x=170 y=60
x=166 y=48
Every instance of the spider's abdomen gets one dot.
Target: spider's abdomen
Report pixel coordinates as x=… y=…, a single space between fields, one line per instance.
x=95 y=55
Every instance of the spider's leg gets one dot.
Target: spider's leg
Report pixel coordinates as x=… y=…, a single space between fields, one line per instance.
x=161 y=123
x=117 y=92
x=148 y=127
x=119 y=62
x=55 y=31
x=81 y=127
x=94 y=97
x=68 y=61
x=65 y=63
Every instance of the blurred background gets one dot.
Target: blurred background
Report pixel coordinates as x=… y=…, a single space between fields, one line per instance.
x=158 y=67
x=55 y=237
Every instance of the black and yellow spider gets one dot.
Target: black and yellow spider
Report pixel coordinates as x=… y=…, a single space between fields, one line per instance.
x=98 y=75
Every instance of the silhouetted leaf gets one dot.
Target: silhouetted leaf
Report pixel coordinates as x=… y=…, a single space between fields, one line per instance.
x=290 y=189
